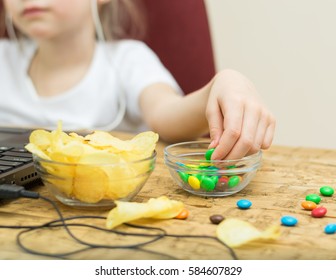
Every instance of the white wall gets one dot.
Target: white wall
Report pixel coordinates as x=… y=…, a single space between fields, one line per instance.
x=288 y=49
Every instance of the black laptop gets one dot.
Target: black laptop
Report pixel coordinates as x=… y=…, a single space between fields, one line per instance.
x=16 y=163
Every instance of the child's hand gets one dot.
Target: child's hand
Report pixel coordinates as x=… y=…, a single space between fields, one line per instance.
x=239 y=123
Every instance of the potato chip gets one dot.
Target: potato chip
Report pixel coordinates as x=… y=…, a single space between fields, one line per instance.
x=34 y=149
x=144 y=143
x=122 y=180
x=61 y=176
x=156 y=208
x=64 y=185
x=235 y=232
x=40 y=138
x=101 y=139
x=89 y=184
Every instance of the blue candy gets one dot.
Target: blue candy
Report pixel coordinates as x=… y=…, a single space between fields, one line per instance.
x=330 y=229
x=244 y=204
x=289 y=221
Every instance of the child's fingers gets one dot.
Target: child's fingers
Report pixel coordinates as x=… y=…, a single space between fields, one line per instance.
x=269 y=135
x=233 y=119
x=260 y=135
x=264 y=135
x=215 y=121
x=248 y=133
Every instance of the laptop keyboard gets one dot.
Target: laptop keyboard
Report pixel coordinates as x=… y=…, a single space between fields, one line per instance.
x=12 y=157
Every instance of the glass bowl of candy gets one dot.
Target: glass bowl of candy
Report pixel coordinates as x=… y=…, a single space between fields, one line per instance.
x=191 y=167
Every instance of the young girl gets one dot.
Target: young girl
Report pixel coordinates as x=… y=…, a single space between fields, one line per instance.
x=58 y=65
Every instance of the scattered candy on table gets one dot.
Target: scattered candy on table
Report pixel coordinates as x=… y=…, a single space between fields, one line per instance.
x=327 y=191
x=308 y=205
x=319 y=212
x=183 y=214
x=216 y=219
x=330 y=229
x=244 y=204
x=289 y=221
x=314 y=198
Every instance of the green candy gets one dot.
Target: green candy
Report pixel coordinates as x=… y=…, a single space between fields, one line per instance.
x=199 y=177
x=327 y=191
x=231 y=167
x=314 y=198
x=208 y=184
x=233 y=181
x=209 y=153
x=214 y=179
x=183 y=176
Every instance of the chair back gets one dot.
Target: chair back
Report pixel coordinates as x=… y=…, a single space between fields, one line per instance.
x=178 y=31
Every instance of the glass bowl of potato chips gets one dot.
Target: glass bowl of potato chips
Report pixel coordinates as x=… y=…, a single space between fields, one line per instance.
x=92 y=170
x=191 y=167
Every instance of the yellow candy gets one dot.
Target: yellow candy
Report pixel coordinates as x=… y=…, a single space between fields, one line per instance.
x=194 y=182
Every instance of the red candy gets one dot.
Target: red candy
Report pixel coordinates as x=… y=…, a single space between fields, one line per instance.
x=223 y=179
x=319 y=212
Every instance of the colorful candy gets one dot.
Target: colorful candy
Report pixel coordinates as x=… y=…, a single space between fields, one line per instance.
x=183 y=214
x=327 y=191
x=289 y=221
x=223 y=179
x=206 y=176
x=314 y=198
x=208 y=184
x=308 y=205
x=208 y=154
x=214 y=179
x=183 y=176
x=233 y=181
x=216 y=219
x=330 y=229
x=194 y=182
x=319 y=212
x=244 y=204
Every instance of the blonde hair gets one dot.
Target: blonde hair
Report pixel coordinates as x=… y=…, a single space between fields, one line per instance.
x=123 y=19
x=120 y=19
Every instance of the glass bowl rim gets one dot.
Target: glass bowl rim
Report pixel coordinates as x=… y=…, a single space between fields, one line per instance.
x=168 y=155
x=36 y=158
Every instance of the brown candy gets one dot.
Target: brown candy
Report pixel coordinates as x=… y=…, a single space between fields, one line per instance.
x=216 y=219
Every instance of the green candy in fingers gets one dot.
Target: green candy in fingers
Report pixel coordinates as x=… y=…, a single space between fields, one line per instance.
x=209 y=153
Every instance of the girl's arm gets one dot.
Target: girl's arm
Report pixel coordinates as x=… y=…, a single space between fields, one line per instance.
x=228 y=107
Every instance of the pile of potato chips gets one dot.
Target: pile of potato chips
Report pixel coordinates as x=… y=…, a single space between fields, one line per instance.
x=95 y=167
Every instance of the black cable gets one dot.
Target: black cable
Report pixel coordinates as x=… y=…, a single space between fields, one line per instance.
x=62 y=223
x=7 y=191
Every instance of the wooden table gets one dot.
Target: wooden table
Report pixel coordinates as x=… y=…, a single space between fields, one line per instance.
x=287 y=175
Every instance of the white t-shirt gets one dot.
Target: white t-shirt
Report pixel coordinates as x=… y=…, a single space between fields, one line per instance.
x=125 y=67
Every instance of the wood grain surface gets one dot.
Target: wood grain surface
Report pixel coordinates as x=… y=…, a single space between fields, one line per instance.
x=286 y=176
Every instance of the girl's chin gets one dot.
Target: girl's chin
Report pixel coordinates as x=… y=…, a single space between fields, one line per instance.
x=39 y=34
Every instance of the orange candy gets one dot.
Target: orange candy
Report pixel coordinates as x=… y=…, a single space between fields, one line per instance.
x=183 y=214
x=308 y=205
